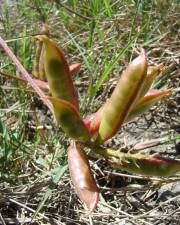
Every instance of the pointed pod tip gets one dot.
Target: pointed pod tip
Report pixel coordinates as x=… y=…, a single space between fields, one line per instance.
x=74 y=68
x=143 y=55
x=167 y=91
x=140 y=62
x=157 y=92
x=89 y=197
x=94 y=201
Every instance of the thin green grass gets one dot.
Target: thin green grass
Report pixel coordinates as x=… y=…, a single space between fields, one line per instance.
x=110 y=66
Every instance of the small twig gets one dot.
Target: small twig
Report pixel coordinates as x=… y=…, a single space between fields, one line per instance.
x=5 y=87
x=12 y=76
x=133 y=176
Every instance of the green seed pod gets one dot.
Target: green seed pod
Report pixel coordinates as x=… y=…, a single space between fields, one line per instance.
x=42 y=73
x=142 y=105
x=147 y=165
x=81 y=175
x=152 y=73
x=38 y=67
x=150 y=99
x=58 y=73
x=35 y=71
x=44 y=85
x=123 y=97
x=68 y=118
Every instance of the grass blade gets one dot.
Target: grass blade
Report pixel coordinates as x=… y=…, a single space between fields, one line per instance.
x=57 y=174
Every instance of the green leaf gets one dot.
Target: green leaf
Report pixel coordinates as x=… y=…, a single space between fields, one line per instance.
x=58 y=173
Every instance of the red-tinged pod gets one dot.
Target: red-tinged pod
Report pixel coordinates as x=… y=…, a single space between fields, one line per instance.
x=144 y=104
x=151 y=165
x=81 y=175
x=57 y=72
x=68 y=118
x=152 y=73
x=74 y=68
x=93 y=121
x=123 y=97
